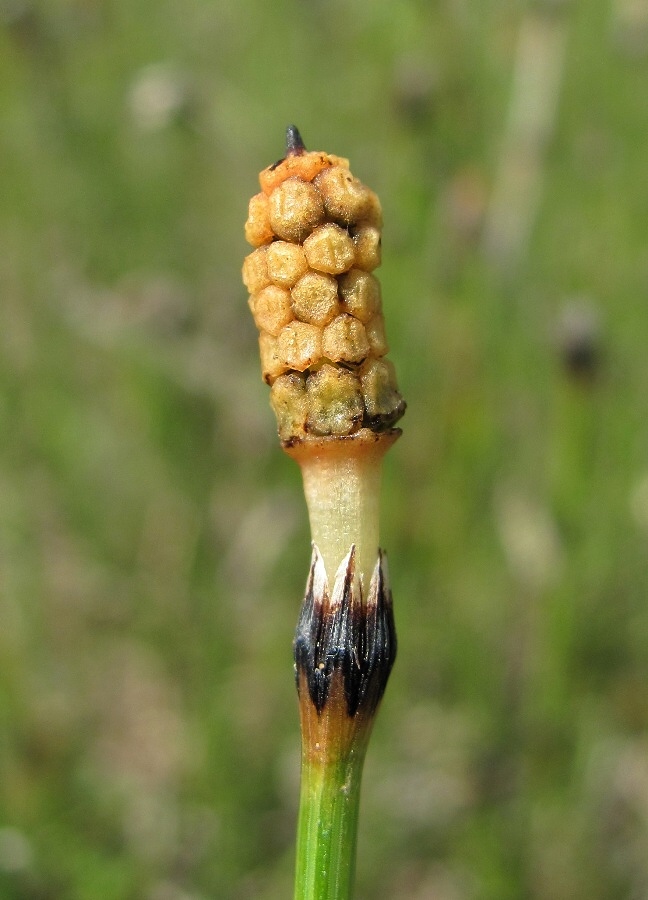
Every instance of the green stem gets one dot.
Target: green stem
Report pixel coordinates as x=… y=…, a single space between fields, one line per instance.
x=328 y=826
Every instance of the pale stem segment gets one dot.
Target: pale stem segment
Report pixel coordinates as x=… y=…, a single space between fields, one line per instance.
x=342 y=487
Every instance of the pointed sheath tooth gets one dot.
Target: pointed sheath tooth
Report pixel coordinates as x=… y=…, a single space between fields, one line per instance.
x=374 y=645
x=381 y=629
x=336 y=625
x=379 y=584
x=320 y=583
x=308 y=635
x=344 y=581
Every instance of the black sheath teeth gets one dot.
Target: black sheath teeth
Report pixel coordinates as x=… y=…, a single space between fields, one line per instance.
x=342 y=632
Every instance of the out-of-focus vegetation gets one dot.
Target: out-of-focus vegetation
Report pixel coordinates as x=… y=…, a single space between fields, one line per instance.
x=153 y=538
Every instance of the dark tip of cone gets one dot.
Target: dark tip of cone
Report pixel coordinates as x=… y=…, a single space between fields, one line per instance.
x=294 y=143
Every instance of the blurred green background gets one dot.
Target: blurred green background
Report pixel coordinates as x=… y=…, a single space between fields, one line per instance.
x=153 y=538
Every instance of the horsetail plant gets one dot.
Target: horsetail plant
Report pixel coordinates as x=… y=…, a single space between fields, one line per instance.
x=316 y=233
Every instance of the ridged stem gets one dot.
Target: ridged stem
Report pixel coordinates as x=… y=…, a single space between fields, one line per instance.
x=328 y=822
